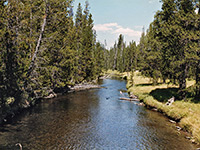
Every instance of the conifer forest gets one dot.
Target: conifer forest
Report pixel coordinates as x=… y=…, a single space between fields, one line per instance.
x=168 y=50
x=45 y=46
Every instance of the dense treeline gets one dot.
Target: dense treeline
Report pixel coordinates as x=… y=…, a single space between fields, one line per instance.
x=45 y=48
x=170 y=50
x=121 y=57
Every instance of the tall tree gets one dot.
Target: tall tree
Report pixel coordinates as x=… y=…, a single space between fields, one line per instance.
x=2 y=52
x=120 y=48
x=44 y=49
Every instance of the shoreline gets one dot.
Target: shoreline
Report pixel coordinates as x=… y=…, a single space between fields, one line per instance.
x=180 y=112
x=172 y=119
x=17 y=110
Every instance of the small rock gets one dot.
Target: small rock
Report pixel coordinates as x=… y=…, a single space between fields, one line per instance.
x=193 y=141
x=155 y=109
x=170 y=101
x=133 y=96
x=52 y=95
x=187 y=137
x=172 y=121
x=140 y=104
x=178 y=128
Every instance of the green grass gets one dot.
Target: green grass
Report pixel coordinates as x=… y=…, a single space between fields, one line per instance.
x=186 y=112
x=115 y=73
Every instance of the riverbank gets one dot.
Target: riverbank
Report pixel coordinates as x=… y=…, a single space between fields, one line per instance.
x=185 y=112
x=10 y=112
x=90 y=119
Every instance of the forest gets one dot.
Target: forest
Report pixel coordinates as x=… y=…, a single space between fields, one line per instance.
x=169 y=50
x=165 y=64
x=45 y=48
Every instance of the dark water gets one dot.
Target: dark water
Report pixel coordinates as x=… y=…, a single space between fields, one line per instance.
x=94 y=119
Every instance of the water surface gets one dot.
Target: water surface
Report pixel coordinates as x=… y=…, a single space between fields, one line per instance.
x=93 y=119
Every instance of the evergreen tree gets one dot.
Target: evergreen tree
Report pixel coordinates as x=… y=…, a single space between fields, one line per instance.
x=120 y=48
x=115 y=51
x=43 y=49
x=2 y=53
x=88 y=44
x=99 y=59
x=174 y=32
x=152 y=65
x=57 y=64
x=141 y=51
x=196 y=45
x=130 y=57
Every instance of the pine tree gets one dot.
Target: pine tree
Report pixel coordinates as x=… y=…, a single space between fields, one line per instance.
x=120 y=48
x=88 y=45
x=115 y=51
x=130 y=57
x=44 y=50
x=57 y=66
x=99 y=59
x=80 y=74
x=153 y=61
x=174 y=30
x=2 y=53
x=15 y=49
x=196 y=41
x=141 y=51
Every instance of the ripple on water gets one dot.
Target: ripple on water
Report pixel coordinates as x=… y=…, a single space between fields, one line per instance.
x=94 y=119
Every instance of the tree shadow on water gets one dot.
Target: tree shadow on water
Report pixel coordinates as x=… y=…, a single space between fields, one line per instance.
x=163 y=95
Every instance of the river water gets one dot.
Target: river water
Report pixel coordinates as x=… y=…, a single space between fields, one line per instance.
x=92 y=119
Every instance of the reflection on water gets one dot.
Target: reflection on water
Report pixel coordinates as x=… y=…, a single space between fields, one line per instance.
x=94 y=119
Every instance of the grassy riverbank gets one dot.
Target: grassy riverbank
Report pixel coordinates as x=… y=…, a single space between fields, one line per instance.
x=186 y=112
x=114 y=73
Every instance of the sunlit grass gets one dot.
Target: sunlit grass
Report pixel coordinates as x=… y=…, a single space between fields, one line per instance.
x=112 y=72
x=115 y=73
x=155 y=96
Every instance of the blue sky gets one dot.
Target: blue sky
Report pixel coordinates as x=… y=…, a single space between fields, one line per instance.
x=127 y=17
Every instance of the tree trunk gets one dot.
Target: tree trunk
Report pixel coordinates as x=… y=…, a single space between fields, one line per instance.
x=115 y=60
x=33 y=61
x=182 y=81
x=198 y=79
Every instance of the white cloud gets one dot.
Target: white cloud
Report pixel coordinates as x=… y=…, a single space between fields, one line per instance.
x=110 y=32
x=114 y=28
x=101 y=27
x=128 y=32
x=112 y=25
x=106 y=27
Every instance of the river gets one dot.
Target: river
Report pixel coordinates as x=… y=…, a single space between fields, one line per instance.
x=92 y=119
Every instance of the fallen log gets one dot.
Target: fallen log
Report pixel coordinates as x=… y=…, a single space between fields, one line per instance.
x=129 y=99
